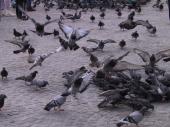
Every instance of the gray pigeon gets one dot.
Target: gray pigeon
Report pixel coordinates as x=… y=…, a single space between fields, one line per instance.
x=28 y=78
x=134 y=117
x=39 y=83
x=58 y=101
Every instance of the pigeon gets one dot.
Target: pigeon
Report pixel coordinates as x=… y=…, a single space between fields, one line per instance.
x=102 y=15
x=2 y=100
x=4 y=73
x=73 y=35
x=135 y=35
x=131 y=15
x=119 y=13
x=56 y=33
x=19 y=43
x=75 y=16
x=122 y=44
x=39 y=28
x=31 y=50
x=101 y=24
x=66 y=15
x=48 y=17
x=130 y=24
x=134 y=117
x=102 y=9
x=71 y=76
x=39 y=60
x=92 y=18
x=151 y=29
x=154 y=58
x=94 y=61
x=161 y=7
x=28 y=78
x=87 y=80
x=39 y=83
x=110 y=63
x=23 y=45
x=112 y=96
x=58 y=101
x=138 y=9
x=24 y=48
x=101 y=43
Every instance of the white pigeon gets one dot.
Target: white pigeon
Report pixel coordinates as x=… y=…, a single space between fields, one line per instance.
x=38 y=61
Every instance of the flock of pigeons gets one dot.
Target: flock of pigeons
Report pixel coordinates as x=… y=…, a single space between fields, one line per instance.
x=123 y=83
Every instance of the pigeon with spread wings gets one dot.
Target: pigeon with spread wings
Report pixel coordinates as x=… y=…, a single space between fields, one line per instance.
x=151 y=60
x=154 y=58
x=101 y=43
x=39 y=60
x=23 y=45
x=73 y=35
x=39 y=27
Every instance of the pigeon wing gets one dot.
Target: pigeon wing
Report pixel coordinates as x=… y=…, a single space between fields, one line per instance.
x=48 y=22
x=67 y=30
x=162 y=54
x=144 y=55
x=109 y=41
x=124 y=65
x=15 y=42
x=143 y=23
x=80 y=33
x=94 y=40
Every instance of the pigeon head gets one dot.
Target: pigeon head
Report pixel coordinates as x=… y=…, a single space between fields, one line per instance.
x=46 y=83
x=119 y=124
x=36 y=72
x=73 y=37
x=65 y=94
x=83 y=68
x=3 y=96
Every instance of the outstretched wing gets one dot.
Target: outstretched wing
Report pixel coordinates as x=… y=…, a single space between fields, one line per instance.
x=121 y=57
x=144 y=55
x=109 y=41
x=48 y=54
x=162 y=54
x=124 y=65
x=51 y=21
x=144 y=23
x=67 y=30
x=94 y=40
x=15 y=42
x=80 y=33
